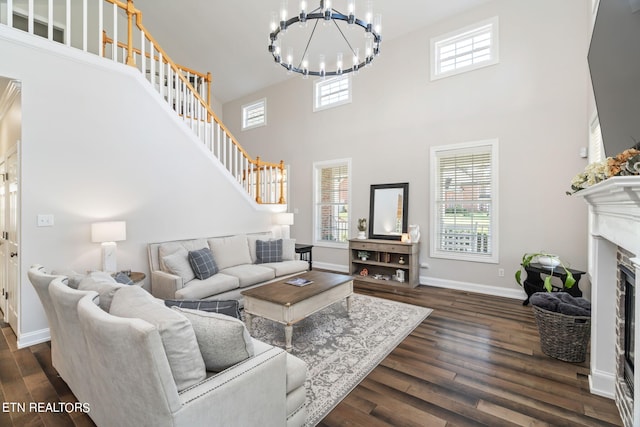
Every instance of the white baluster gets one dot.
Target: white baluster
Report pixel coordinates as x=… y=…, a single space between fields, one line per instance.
x=143 y=57
x=161 y=78
x=67 y=32
x=100 y=27
x=30 y=17
x=10 y=12
x=152 y=65
x=50 y=20
x=84 y=25
x=114 y=46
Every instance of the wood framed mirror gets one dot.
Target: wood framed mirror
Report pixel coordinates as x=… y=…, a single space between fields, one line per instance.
x=388 y=209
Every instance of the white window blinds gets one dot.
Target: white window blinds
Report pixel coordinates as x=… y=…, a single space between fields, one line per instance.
x=332 y=92
x=332 y=201
x=254 y=114
x=464 y=201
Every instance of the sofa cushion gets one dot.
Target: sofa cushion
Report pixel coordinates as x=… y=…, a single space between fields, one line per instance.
x=104 y=285
x=170 y=247
x=287 y=267
x=178 y=338
x=268 y=251
x=199 y=289
x=178 y=263
x=230 y=251
x=202 y=263
x=223 y=340
x=230 y=308
x=250 y=274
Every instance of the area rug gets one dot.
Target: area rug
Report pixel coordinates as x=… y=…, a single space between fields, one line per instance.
x=341 y=349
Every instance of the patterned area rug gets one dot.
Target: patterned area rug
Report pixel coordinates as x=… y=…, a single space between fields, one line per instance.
x=341 y=349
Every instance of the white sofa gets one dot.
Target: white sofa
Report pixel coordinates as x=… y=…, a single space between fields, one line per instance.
x=236 y=259
x=125 y=369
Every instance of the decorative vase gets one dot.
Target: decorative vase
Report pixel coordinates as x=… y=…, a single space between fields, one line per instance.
x=414 y=233
x=362 y=235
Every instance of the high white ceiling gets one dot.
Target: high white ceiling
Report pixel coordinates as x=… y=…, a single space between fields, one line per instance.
x=229 y=38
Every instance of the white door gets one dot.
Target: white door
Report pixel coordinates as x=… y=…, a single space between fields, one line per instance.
x=3 y=243
x=12 y=242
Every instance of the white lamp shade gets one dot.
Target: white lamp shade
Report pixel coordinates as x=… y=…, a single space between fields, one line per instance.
x=284 y=218
x=110 y=231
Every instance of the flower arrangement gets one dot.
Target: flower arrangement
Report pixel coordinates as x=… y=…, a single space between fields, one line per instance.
x=625 y=163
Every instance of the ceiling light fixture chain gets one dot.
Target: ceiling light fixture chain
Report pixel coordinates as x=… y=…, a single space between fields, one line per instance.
x=370 y=43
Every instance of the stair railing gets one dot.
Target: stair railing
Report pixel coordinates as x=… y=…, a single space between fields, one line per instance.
x=184 y=90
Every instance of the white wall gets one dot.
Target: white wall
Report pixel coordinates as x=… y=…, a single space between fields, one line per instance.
x=99 y=144
x=534 y=102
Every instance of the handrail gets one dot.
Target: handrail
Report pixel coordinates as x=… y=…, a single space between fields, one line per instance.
x=264 y=181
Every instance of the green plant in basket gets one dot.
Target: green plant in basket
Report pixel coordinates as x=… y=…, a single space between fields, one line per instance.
x=547 y=260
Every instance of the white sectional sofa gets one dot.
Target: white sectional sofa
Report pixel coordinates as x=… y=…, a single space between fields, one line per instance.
x=140 y=363
x=239 y=267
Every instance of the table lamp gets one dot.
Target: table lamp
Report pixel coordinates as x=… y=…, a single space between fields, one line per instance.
x=284 y=219
x=108 y=233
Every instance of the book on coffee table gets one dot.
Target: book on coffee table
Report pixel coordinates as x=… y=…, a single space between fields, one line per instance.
x=299 y=281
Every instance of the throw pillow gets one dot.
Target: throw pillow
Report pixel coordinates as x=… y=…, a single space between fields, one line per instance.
x=121 y=277
x=178 y=263
x=177 y=335
x=268 y=251
x=223 y=341
x=230 y=308
x=288 y=249
x=202 y=263
x=104 y=285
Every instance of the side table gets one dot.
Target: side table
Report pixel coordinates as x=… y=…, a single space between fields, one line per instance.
x=534 y=283
x=305 y=253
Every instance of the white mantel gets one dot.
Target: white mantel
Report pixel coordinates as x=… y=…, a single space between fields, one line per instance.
x=614 y=207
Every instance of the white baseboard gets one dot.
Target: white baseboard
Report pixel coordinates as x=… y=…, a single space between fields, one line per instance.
x=33 y=338
x=474 y=287
x=331 y=267
x=603 y=384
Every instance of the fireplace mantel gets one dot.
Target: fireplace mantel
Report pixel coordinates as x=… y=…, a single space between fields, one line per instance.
x=614 y=206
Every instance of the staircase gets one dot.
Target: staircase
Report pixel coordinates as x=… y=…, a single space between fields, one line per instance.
x=114 y=30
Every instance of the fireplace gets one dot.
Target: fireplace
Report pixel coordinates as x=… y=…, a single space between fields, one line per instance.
x=614 y=268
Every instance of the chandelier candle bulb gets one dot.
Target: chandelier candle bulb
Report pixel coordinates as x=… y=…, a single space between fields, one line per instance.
x=339 y=63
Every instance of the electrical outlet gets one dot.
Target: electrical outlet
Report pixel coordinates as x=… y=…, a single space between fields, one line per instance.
x=501 y=272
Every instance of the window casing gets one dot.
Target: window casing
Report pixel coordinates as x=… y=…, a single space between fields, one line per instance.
x=464 y=50
x=331 y=92
x=332 y=202
x=464 y=200
x=255 y=114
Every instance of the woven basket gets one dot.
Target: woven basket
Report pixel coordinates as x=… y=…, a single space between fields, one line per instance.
x=563 y=337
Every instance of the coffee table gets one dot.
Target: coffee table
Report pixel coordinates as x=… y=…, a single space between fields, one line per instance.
x=289 y=304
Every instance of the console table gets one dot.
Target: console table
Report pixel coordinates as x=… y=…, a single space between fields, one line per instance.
x=384 y=259
x=534 y=283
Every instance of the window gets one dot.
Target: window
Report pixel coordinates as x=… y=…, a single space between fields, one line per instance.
x=464 y=50
x=254 y=114
x=332 y=202
x=464 y=201
x=331 y=92
x=596 y=148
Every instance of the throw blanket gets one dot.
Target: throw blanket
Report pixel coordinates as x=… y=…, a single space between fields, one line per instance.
x=562 y=302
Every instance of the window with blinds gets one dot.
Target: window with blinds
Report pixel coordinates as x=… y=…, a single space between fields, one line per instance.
x=596 y=147
x=464 y=201
x=331 y=92
x=332 y=201
x=254 y=114
x=465 y=50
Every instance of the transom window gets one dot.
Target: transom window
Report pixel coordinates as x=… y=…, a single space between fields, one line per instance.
x=331 y=92
x=254 y=114
x=464 y=201
x=465 y=50
x=332 y=201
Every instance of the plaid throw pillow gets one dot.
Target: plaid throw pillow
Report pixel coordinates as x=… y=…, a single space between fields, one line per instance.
x=268 y=251
x=230 y=308
x=202 y=263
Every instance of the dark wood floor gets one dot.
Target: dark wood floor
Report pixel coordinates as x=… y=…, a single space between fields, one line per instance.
x=475 y=360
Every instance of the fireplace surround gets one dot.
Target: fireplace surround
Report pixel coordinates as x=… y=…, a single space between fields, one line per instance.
x=614 y=207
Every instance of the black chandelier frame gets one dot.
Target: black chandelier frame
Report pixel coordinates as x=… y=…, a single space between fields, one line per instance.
x=328 y=14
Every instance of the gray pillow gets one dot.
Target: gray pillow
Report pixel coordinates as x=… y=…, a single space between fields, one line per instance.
x=178 y=338
x=202 y=263
x=223 y=340
x=268 y=251
x=178 y=263
x=104 y=285
x=230 y=307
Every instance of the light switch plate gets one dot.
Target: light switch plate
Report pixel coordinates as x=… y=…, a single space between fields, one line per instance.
x=45 y=220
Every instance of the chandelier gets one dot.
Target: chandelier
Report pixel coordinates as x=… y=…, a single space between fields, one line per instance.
x=327 y=30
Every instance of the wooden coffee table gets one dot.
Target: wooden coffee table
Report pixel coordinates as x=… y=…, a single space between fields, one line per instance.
x=289 y=304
